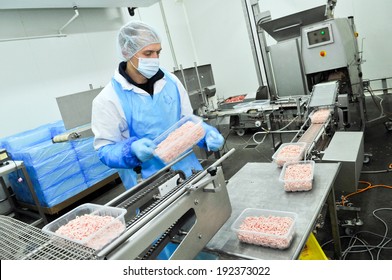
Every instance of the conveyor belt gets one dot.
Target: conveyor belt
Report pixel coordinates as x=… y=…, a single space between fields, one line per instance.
x=312 y=135
x=21 y=241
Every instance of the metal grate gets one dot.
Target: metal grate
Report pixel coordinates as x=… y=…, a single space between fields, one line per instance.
x=21 y=241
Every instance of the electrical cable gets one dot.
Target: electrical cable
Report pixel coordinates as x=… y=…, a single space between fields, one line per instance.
x=380 y=246
x=353 y=248
x=380 y=107
x=19 y=179
x=266 y=132
x=370 y=186
x=379 y=171
x=348 y=250
x=225 y=140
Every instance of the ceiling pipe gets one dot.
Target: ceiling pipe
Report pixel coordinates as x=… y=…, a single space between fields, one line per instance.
x=60 y=34
x=70 y=21
x=168 y=35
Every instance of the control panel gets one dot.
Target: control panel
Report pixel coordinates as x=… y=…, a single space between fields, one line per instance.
x=318 y=36
x=4 y=157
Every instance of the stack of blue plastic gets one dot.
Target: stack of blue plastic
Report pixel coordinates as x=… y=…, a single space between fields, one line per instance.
x=54 y=171
x=58 y=171
x=93 y=169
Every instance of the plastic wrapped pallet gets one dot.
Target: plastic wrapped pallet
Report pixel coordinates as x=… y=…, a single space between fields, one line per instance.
x=55 y=176
x=53 y=170
x=94 y=170
x=97 y=173
x=57 y=128
x=27 y=138
x=48 y=163
x=51 y=196
x=61 y=191
x=76 y=189
x=84 y=147
x=44 y=151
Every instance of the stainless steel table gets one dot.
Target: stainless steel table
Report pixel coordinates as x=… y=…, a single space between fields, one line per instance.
x=257 y=185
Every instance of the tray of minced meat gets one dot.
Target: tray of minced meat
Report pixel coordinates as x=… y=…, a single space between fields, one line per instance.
x=91 y=225
x=179 y=138
x=289 y=152
x=320 y=116
x=297 y=176
x=268 y=228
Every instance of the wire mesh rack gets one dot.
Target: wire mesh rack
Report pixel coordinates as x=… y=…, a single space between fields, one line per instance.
x=21 y=241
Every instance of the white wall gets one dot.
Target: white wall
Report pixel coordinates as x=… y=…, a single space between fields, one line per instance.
x=34 y=72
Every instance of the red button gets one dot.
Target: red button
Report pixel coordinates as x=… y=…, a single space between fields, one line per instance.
x=323 y=53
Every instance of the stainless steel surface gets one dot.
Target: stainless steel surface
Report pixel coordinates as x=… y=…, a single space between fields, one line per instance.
x=289 y=27
x=204 y=195
x=75 y=109
x=324 y=94
x=346 y=147
x=198 y=80
x=256 y=185
x=21 y=241
x=290 y=80
x=330 y=52
x=341 y=49
x=251 y=9
x=211 y=210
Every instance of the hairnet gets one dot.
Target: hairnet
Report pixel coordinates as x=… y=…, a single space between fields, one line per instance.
x=134 y=36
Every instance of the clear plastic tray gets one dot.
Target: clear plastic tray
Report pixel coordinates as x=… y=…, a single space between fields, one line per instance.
x=96 y=240
x=171 y=145
x=281 y=159
x=304 y=182
x=269 y=238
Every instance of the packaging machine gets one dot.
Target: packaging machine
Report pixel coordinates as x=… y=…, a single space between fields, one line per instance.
x=161 y=210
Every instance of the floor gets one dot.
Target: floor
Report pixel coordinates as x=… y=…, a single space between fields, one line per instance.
x=368 y=237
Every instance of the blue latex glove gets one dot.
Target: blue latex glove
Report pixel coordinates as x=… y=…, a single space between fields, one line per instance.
x=214 y=140
x=143 y=149
x=119 y=155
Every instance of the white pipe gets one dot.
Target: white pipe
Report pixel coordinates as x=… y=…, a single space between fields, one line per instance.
x=71 y=20
x=60 y=34
x=190 y=32
x=168 y=35
x=33 y=37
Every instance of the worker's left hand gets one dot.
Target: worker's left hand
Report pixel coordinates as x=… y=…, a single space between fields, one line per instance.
x=214 y=140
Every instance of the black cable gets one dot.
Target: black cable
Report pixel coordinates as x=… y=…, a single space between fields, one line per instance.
x=17 y=172
x=225 y=140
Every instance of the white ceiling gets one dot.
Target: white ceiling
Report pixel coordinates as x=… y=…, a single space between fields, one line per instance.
x=40 y=4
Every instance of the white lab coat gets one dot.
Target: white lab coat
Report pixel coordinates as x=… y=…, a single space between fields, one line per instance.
x=109 y=123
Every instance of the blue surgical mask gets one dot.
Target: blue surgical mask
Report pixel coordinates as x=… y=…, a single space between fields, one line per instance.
x=148 y=67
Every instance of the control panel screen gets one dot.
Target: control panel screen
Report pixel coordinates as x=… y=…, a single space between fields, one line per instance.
x=319 y=36
x=3 y=155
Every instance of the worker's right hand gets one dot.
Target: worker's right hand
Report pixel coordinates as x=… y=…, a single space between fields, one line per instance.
x=143 y=149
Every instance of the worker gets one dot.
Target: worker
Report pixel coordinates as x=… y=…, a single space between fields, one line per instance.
x=141 y=101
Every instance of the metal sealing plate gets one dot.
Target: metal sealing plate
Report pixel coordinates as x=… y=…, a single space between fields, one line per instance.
x=324 y=94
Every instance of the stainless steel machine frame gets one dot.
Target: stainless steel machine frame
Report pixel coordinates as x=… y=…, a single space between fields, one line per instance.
x=165 y=208
x=330 y=53
x=322 y=49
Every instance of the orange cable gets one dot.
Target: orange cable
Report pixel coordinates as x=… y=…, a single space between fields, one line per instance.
x=370 y=186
